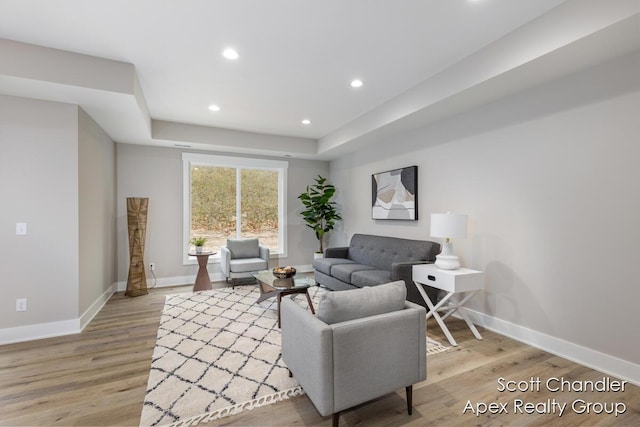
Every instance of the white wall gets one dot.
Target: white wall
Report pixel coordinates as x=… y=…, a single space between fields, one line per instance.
x=550 y=181
x=38 y=185
x=156 y=173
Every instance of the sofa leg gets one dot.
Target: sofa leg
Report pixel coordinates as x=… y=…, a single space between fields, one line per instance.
x=336 y=419
x=409 y=391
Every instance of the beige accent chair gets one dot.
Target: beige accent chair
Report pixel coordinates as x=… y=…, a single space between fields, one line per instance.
x=242 y=257
x=363 y=344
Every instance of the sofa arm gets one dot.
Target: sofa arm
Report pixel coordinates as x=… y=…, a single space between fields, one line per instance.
x=404 y=271
x=338 y=252
x=307 y=350
x=225 y=261
x=264 y=253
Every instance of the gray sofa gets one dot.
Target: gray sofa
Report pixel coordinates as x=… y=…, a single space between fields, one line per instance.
x=373 y=260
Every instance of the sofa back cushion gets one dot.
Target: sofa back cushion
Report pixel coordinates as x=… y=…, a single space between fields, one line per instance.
x=382 y=251
x=243 y=248
x=340 y=306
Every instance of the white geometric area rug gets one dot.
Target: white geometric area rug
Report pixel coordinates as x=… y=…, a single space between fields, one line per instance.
x=217 y=354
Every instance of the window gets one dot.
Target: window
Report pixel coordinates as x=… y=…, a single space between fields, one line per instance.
x=234 y=197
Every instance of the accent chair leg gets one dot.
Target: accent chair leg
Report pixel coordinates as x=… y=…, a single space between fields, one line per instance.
x=336 y=419
x=409 y=391
x=290 y=373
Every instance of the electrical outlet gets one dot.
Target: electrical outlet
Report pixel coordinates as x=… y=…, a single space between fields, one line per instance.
x=21 y=304
x=152 y=266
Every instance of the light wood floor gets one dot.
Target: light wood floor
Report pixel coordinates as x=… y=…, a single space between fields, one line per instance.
x=99 y=377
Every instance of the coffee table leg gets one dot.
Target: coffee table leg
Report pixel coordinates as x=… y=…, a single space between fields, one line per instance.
x=309 y=302
x=279 y=301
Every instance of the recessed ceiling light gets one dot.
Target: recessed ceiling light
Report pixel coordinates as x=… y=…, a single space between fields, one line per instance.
x=214 y=107
x=305 y=121
x=230 y=53
x=356 y=83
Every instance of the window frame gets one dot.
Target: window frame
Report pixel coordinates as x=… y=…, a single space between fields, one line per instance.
x=239 y=163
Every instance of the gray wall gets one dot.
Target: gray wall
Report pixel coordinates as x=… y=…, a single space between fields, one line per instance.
x=550 y=181
x=97 y=210
x=39 y=186
x=156 y=173
x=57 y=171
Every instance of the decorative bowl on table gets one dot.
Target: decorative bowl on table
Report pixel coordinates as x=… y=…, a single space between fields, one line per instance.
x=284 y=272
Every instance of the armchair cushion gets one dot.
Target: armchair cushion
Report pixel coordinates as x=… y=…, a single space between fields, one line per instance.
x=336 y=307
x=243 y=248
x=243 y=265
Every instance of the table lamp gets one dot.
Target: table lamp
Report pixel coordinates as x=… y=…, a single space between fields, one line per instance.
x=448 y=226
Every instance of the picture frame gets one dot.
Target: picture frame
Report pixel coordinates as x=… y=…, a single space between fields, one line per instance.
x=394 y=194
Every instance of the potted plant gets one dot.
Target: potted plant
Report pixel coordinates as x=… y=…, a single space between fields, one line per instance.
x=198 y=242
x=319 y=211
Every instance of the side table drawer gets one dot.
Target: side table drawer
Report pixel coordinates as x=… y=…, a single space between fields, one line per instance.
x=460 y=280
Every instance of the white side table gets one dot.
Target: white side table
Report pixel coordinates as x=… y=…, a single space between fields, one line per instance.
x=456 y=283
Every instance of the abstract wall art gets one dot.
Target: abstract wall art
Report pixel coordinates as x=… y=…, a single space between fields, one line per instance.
x=394 y=194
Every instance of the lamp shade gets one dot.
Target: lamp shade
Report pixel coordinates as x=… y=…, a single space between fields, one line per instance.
x=448 y=225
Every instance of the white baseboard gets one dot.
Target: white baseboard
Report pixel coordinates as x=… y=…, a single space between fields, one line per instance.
x=593 y=359
x=308 y=268
x=39 y=331
x=97 y=305
x=58 y=328
x=165 y=282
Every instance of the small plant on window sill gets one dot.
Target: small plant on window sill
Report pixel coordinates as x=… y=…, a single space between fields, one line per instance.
x=198 y=242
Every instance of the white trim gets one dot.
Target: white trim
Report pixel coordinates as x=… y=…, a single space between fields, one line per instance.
x=59 y=328
x=39 y=331
x=167 y=282
x=239 y=163
x=95 y=308
x=282 y=215
x=236 y=162
x=307 y=268
x=186 y=209
x=590 y=358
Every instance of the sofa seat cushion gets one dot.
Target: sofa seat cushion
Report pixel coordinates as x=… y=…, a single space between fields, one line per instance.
x=243 y=265
x=341 y=306
x=324 y=265
x=344 y=271
x=370 y=278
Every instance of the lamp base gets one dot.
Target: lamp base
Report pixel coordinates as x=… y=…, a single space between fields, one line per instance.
x=447 y=260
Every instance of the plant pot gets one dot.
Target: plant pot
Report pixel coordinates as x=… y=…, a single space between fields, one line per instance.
x=318 y=255
x=198 y=249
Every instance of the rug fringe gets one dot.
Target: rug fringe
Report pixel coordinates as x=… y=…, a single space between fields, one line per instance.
x=238 y=408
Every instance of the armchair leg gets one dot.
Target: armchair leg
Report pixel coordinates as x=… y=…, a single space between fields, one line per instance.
x=409 y=391
x=336 y=419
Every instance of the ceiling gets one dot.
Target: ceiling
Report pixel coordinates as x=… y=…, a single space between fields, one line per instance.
x=296 y=61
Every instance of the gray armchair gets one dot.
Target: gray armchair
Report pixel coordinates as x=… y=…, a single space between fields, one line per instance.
x=242 y=257
x=363 y=344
